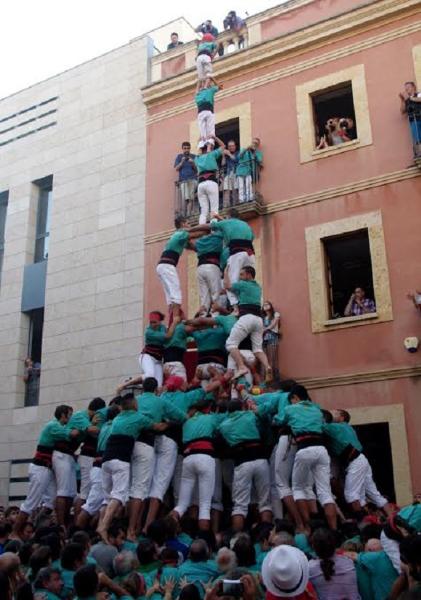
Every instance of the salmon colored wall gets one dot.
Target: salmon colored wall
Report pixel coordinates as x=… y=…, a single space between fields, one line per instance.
x=173 y=66
x=319 y=10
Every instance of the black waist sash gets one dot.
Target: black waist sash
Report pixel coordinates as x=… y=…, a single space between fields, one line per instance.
x=169 y=257
x=236 y=246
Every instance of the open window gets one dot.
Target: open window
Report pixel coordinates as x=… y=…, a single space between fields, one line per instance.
x=229 y=130
x=375 y=440
x=36 y=325
x=348 y=266
x=334 y=115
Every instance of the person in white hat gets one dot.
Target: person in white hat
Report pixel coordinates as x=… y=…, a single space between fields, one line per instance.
x=285 y=573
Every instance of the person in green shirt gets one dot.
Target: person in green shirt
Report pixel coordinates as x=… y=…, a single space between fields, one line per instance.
x=49 y=582
x=157 y=409
x=240 y=429
x=311 y=460
x=207 y=167
x=150 y=360
x=41 y=476
x=204 y=98
x=206 y=50
x=175 y=346
x=167 y=266
x=125 y=429
x=250 y=162
x=209 y=249
x=359 y=483
x=211 y=353
x=199 y=461
x=250 y=323
x=95 y=497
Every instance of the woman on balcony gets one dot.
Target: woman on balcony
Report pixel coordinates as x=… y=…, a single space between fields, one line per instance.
x=271 y=334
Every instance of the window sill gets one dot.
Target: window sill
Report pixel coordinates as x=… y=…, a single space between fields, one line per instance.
x=335 y=149
x=357 y=319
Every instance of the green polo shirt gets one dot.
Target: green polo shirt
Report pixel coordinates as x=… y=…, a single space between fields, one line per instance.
x=178 y=339
x=238 y=427
x=178 y=241
x=155 y=337
x=158 y=408
x=208 y=47
x=207 y=162
x=227 y=322
x=104 y=434
x=210 y=339
x=375 y=575
x=341 y=435
x=184 y=400
x=233 y=229
x=201 y=426
x=247 y=292
x=247 y=162
x=305 y=416
x=207 y=244
x=53 y=432
x=206 y=96
x=131 y=423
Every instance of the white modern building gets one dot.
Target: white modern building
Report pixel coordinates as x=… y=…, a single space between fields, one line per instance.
x=72 y=186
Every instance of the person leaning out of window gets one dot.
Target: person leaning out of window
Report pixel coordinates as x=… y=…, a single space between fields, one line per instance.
x=411 y=106
x=31 y=377
x=271 y=333
x=358 y=304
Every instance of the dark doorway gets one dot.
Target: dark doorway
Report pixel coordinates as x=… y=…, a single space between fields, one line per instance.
x=229 y=130
x=375 y=439
x=348 y=263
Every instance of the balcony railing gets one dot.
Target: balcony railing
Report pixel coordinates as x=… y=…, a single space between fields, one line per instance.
x=241 y=192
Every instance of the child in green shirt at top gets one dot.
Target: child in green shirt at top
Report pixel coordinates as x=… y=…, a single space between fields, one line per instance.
x=206 y=50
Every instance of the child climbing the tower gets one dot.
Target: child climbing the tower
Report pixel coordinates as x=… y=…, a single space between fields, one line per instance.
x=204 y=98
x=206 y=51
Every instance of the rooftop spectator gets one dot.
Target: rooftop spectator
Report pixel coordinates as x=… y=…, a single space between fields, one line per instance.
x=187 y=178
x=358 y=304
x=233 y=22
x=175 y=42
x=207 y=27
x=411 y=106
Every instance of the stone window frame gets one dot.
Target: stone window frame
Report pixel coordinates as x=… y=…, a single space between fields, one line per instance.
x=316 y=266
x=305 y=114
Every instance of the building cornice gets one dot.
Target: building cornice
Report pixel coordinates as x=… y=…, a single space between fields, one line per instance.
x=314 y=383
x=320 y=196
x=284 y=47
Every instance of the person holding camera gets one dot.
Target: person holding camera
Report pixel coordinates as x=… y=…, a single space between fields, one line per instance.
x=207 y=27
x=358 y=304
x=233 y=22
x=187 y=178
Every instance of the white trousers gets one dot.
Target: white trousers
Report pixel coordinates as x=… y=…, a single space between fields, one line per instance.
x=391 y=547
x=245 y=475
x=170 y=282
x=41 y=483
x=164 y=466
x=284 y=463
x=359 y=484
x=312 y=462
x=198 y=468
x=247 y=325
x=235 y=263
x=209 y=283
x=275 y=501
x=175 y=368
x=245 y=189
x=64 y=467
x=150 y=367
x=203 y=66
x=208 y=196
x=142 y=470
x=206 y=123
x=176 y=480
x=96 y=495
x=85 y=466
x=115 y=480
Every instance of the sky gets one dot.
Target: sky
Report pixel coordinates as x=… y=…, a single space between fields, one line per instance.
x=40 y=39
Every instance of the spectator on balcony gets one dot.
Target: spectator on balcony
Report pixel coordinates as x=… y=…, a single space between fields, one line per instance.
x=229 y=165
x=205 y=98
x=234 y=23
x=187 y=178
x=415 y=297
x=207 y=27
x=206 y=51
x=358 y=304
x=31 y=376
x=207 y=166
x=174 y=41
x=411 y=106
x=338 y=131
x=250 y=161
x=271 y=333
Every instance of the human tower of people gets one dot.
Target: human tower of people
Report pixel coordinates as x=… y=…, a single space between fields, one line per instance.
x=164 y=444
